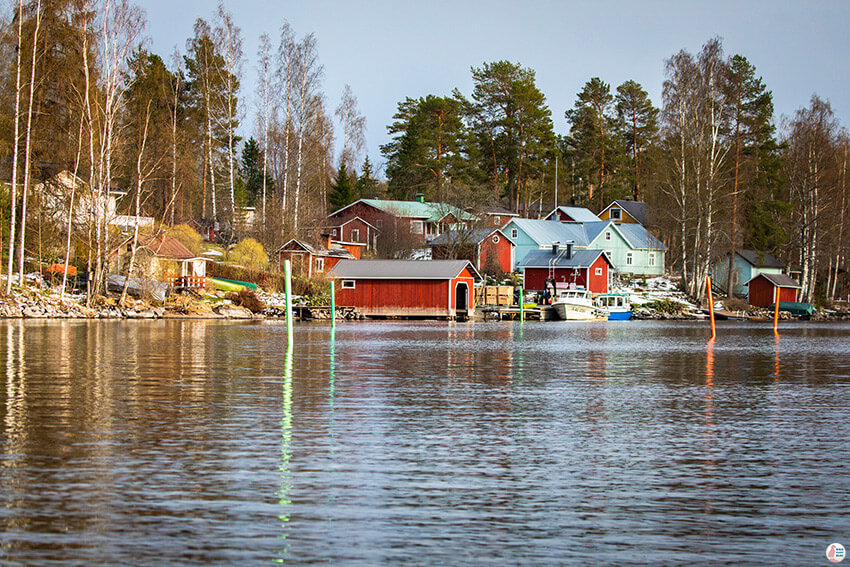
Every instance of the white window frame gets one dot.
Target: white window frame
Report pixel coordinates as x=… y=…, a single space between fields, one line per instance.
x=616 y=214
x=348 y=284
x=379 y=223
x=629 y=258
x=355 y=235
x=514 y=233
x=417 y=227
x=320 y=264
x=497 y=219
x=335 y=233
x=607 y=235
x=651 y=259
x=598 y=271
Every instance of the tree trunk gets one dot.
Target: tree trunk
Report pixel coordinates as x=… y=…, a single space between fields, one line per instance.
x=15 y=143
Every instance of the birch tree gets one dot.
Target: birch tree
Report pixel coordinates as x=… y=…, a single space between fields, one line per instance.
x=15 y=141
x=308 y=78
x=353 y=129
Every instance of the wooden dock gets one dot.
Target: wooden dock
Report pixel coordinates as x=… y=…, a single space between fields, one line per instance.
x=502 y=313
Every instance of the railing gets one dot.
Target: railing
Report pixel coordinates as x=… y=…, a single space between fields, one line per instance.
x=190 y=282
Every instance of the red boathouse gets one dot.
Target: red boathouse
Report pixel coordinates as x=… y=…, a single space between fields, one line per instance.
x=589 y=269
x=406 y=288
x=761 y=290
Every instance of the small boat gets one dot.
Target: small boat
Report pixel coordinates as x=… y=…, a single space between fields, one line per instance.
x=577 y=305
x=617 y=305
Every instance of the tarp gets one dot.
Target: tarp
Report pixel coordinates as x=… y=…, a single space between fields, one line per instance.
x=795 y=308
x=138 y=287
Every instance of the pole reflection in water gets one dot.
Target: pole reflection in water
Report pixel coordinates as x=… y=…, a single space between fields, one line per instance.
x=710 y=433
x=285 y=452
x=776 y=357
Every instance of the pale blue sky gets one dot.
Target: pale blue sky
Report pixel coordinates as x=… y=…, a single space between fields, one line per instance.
x=389 y=50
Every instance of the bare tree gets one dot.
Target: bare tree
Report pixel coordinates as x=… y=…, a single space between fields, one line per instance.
x=264 y=56
x=229 y=39
x=353 y=129
x=309 y=75
x=286 y=67
x=15 y=142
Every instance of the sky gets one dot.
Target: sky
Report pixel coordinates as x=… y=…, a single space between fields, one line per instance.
x=388 y=50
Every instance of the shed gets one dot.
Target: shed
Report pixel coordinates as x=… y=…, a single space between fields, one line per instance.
x=580 y=268
x=162 y=258
x=406 y=288
x=761 y=290
x=312 y=261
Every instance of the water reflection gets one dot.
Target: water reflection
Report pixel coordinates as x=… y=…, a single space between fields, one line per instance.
x=284 y=498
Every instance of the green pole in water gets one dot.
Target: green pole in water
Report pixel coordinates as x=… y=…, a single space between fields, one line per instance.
x=521 y=306
x=333 y=304
x=287 y=277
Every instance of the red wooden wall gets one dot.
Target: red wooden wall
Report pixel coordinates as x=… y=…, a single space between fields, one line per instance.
x=761 y=293
x=501 y=251
x=535 y=278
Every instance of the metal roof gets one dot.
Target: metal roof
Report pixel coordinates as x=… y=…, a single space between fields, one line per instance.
x=338 y=252
x=401 y=269
x=778 y=280
x=429 y=212
x=473 y=236
x=545 y=232
x=578 y=214
x=546 y=259
x=760 y=259
x=639 y=237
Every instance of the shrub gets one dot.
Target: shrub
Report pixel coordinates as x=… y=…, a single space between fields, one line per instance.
x=188 y=237
x=250 y=254
x=248 y=299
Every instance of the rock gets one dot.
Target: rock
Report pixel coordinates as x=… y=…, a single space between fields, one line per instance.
x=233 y=312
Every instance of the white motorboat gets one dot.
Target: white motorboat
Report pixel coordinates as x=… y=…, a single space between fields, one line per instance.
x=577 y=305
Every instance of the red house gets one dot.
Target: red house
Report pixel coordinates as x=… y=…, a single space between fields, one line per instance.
x=406 y=288
x=761 y=290
x=589 y=269
x=488 y=249
x=354 y=230
x=312 y=261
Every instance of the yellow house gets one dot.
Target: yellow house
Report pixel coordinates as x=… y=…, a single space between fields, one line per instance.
x=630 y=212
x=161 y=258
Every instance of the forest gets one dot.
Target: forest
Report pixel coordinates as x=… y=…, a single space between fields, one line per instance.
x=182 y=138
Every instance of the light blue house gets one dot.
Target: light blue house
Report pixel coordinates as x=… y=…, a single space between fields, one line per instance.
x=746 y=265
x=631 y=248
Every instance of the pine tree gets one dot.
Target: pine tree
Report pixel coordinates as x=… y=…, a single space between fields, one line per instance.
x=638 y=127
x=342 y=189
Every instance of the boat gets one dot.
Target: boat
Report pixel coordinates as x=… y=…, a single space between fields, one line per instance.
x=231 y=285
x=577 y=305
x=617 y=305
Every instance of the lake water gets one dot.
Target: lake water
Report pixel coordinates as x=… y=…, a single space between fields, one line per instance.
x=423 y=443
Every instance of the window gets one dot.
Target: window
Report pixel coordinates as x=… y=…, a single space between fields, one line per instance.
x=335 y=233
x=320 y=264
x=651 y=258
x=495 y=239
x=598 y=271
x=355 y=235
x=616 y=214
x=514 y=233
x=607 y=235
x=628 y=258
x=416 y=227
x=610 y=254
x=379 y=223
x=348 y=284
x=496 y=220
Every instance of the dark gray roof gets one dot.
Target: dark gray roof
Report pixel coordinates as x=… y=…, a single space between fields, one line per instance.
x=637 y=209
x=779 y=280
x=401 y=269
x=760 y=259
x=338 y=252
x=545 y=258
x=473 y=236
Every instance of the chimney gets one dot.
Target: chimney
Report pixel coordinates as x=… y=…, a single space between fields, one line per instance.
x=555 y=246
x=570 y=250
x=419 y=197
x=326 y=241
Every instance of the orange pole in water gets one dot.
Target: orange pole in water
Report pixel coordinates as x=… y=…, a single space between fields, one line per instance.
x=776 y=311
x=710 y=306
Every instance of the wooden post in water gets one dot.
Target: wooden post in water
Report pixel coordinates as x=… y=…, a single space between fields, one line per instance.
x=333 y=303
x=710 y=306
x=287 y=277
x=776 y=311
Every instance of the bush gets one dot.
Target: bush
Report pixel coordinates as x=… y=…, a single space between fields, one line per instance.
x=248 y=299
x=250 y=254
x=665 y=305
x=187 y=237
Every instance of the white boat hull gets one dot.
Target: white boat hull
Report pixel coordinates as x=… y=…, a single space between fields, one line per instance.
x=576 y=312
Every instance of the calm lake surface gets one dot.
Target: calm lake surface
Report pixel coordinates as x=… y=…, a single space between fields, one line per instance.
x=186 y=442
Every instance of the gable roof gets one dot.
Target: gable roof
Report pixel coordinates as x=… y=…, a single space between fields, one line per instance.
x=402 y=269
x=778 y=280
x=637 y=209
x=546 y=259
x=165 y=246
x=473 y=236
x=545 y=232
x=352 y=219
x=760 y=259
x=578 y=214
x=318 y=251
x=429 y=212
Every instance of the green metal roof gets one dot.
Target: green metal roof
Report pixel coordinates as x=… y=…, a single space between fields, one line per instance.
x=429 y=212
